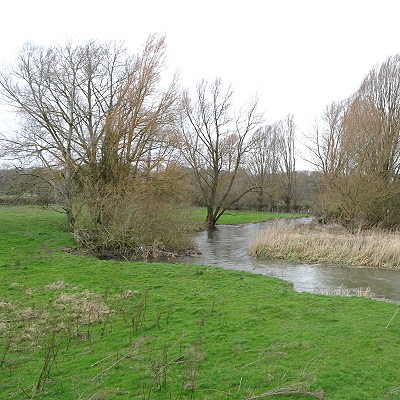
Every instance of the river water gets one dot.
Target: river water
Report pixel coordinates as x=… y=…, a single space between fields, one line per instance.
x=227 y=247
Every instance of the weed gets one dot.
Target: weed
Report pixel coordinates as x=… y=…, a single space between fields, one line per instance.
x=50 y=353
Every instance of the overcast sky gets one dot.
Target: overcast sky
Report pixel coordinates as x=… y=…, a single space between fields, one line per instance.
x=298 y=55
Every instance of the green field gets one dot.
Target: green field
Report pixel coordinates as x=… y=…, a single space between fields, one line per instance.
x=73 y=327
x=231 y=217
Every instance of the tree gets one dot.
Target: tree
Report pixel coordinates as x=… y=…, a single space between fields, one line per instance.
x=90 y=113
x=272 y=163
x=263 y=162
x=379 y=99
x=214 y=141
x=334 y=154
x=358 y=152
x=288 y=160
x=326 y=146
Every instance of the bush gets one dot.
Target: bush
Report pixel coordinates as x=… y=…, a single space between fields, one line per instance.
x=132 y=227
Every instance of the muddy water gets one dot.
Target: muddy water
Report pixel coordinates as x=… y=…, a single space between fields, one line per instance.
x=227 y=247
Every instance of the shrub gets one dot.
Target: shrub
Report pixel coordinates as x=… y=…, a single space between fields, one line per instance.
x=132 y=227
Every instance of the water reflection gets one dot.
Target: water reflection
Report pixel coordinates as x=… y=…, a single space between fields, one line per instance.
x=227 y=247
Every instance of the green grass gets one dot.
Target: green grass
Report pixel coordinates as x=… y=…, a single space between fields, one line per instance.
x=79 y=328
x=231 y=217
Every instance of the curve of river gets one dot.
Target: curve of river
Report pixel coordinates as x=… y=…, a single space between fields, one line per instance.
x=227 y=247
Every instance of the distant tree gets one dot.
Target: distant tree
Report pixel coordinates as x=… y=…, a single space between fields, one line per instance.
x=308 y=186
x=272 y=163
x=288 y=160
x=326 y=142
x=214 y=142
x=263 y=162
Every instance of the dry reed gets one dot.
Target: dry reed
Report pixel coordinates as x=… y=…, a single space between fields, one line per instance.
x=311 y=243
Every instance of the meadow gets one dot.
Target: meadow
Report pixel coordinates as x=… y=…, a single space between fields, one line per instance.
x=231 y=217
x=75 y=327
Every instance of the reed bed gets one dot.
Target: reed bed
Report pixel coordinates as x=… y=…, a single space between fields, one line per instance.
x=316 y=244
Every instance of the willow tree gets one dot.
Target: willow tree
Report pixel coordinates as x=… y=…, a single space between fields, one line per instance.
x=358 y=150
x=89 y=112
x=214 y=142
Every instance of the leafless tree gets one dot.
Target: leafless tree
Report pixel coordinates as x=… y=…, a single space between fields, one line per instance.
x=379 y=94
x=263 y=163
x=214 y=143
x=326 y=141
x=272 y=162
x=358 y=150
x=288 y=160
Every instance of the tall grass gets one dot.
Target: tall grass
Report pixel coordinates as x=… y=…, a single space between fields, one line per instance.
x=312 y=243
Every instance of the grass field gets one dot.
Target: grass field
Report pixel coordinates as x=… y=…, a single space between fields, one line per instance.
x=242 y=217
x=73 y=327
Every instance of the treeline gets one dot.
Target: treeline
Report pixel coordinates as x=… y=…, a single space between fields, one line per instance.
x=27 y=186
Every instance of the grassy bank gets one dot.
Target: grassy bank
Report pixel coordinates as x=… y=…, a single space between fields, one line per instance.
x=329 y=244
x=80 y=328
x=231 y=217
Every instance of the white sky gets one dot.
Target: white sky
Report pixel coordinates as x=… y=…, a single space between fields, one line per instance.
x=298 y=55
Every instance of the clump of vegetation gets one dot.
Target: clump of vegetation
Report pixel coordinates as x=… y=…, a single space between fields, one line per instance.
x=328 y=244
x=137 y=229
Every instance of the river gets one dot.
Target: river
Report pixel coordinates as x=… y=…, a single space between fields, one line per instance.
x=227 y=247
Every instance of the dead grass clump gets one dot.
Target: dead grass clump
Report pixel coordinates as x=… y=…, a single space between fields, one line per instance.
x=4 y=305
x=331 y=244
x=127 y=294
x=26 y=328
x=23 y=326
x=344 y=291
x=85 y=307
x=58 y=285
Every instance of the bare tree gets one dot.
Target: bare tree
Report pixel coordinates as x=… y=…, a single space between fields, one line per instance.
x=379 y=94
x=263 y=162
x=87 y=109
x=272 y=162
x=326 y=142
x=214 y=143
x=358 y=150
x=288 y=160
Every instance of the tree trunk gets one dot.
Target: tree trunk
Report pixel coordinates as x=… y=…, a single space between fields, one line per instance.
x=70 y=220
x=210 y=220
